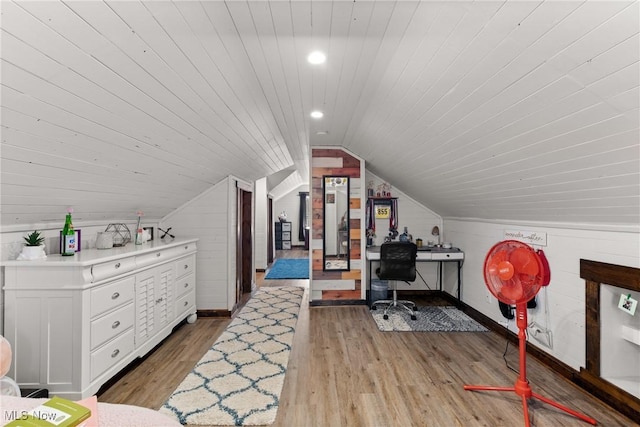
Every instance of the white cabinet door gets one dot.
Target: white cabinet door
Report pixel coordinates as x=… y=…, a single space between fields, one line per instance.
x=164 y=308
x=145 y=302
x=155 y=298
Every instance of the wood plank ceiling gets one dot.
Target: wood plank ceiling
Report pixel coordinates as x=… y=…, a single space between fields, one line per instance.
x=521 y=110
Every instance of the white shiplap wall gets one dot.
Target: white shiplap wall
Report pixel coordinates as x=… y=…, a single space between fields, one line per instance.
x=566 y=245
x=287 y=185
x=11 y=242
x=525 y=110
x=519 y=110
x=207 y=217
x=260 y=223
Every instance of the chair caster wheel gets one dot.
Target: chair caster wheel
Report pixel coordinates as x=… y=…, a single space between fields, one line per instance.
x=414 y=318
x=415 y=308
x=385 y=317
x=373 y=307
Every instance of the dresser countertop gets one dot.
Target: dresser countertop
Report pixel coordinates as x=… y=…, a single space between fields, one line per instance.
x=88 y=257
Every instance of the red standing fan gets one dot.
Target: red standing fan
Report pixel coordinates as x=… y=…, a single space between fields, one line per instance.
x=514 y=274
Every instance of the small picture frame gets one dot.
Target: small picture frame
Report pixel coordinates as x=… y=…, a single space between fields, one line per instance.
x=78 y=239
x=628 y=304
x=331 y=198
x=149 y=230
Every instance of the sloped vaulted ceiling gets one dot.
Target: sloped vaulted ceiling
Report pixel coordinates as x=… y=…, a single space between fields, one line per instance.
x=492 y=109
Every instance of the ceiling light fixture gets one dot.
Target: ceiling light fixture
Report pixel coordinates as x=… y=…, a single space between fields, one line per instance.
x=316 y=57
x=317 y=114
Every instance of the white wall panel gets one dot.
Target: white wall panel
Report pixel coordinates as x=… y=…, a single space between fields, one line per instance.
x=207 y=218
x=566 y=293
x=444 y=99
x=261 y=227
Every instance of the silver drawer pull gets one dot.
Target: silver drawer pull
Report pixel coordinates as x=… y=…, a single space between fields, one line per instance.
x=115 y=353
x=117 y=265
x=186 y=285
x=115 y=324
x=186 y=247
x=186 y=266
x=115 y=295
x=186 y=303
x=159 y=300
x=158 y=254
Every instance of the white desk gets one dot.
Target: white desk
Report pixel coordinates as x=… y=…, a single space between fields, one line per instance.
x=438 y=255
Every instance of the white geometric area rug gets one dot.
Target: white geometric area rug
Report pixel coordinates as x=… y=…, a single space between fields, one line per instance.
x=239 y=379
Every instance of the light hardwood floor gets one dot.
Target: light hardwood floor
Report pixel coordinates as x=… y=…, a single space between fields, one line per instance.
x=344 y=372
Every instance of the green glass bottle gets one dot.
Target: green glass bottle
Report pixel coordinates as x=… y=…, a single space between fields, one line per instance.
x=69 y=243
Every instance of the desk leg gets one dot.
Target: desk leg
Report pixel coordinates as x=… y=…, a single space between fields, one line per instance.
x=440 y=275
x=459 y=282
x=370 y=273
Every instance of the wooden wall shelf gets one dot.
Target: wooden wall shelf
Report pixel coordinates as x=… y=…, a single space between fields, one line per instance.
x=596 y=274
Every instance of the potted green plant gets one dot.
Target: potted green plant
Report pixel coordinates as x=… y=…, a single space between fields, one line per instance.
x=34 y=239
x=33 y=247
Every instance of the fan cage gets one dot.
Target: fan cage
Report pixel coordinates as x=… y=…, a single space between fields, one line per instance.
x=527 y=272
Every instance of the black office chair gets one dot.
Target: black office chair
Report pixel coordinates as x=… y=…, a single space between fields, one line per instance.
x=397 y=262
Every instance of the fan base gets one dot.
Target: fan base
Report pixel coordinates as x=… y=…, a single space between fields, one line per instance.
x=523 y=389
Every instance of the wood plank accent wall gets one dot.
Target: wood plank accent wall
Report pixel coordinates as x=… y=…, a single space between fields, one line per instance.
x=342 y=164
x=595 y=274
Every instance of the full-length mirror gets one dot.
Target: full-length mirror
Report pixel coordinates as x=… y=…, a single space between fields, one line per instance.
x=336 y=223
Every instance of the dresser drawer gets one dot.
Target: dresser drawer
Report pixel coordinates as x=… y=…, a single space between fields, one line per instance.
x=185 y=284
x=111 y=325
x=185 y=265
x=111 y=353
x=447 y=255
x=112 y=268
x=112 y=295
x=154 y=257
x=185 y=303
x=181 y=250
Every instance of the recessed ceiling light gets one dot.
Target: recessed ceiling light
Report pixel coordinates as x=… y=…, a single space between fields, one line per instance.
x=322 y=132
x=317 y=114
x=317 y=57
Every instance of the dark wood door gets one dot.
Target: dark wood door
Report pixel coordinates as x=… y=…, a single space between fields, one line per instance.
x=270 y=231
x=244 y=257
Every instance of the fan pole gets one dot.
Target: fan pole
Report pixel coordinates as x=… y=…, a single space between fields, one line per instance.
x=522 y=387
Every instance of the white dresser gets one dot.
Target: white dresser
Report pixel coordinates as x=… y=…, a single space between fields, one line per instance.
x=74 y=322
